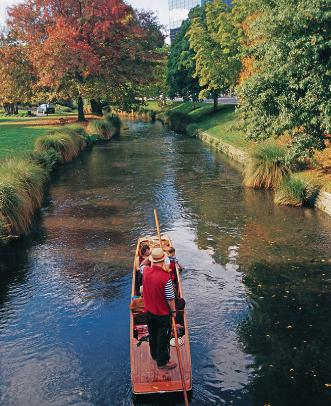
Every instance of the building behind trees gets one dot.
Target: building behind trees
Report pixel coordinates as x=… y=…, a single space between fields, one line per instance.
x=178 y=11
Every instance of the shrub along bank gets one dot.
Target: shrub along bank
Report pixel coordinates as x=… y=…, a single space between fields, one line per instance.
x=106 y=128
x=265 y=164
x=266 y=168
x=22 y=180
x=296 y=192
x=140 y=113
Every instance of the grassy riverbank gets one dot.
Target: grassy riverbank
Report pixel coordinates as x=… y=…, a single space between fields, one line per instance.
x=223 y=126
x=29 y=151
x=220 y=124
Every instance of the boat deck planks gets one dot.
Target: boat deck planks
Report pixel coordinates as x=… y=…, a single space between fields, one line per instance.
x=147 y=377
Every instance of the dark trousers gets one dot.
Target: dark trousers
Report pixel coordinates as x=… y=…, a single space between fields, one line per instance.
x=159 y=329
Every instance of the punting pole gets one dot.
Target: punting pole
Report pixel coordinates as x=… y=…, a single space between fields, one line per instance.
x=174 y=324
x=158 y=227
x=180 y=362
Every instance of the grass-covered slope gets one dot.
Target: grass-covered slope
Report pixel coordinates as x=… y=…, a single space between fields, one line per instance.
x=200 y=116
x=223 y=125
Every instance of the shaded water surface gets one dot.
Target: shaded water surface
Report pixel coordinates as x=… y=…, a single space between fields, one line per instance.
x=257 y=281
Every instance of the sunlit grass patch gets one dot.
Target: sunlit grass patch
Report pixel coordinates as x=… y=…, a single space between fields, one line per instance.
x=267 y=167
x=78 y=135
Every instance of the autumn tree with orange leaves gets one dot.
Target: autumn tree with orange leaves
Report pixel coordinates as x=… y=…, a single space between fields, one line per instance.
x=86 y=48
x=17 y=77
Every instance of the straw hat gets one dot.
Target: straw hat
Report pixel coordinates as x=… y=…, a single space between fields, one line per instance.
x=157 y=255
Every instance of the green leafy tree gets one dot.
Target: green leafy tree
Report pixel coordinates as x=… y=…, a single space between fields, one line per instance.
x=214 y=37
x=157 y=88
x=289 y=90
x=181 y=77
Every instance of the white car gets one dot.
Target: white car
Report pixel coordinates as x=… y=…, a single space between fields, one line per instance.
x=46 y=109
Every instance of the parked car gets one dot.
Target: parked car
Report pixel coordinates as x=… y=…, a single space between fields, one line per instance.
x=46 y=108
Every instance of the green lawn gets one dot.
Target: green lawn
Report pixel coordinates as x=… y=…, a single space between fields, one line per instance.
x=17 y=139
x=184 y=107
x=18 y=134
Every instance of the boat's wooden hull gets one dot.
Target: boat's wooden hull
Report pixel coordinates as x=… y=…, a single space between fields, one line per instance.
x=145 y=376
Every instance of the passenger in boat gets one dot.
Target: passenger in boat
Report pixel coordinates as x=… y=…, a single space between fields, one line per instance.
x=145 y=252
x=142 y=261
x=159 y=299
x=171 y=262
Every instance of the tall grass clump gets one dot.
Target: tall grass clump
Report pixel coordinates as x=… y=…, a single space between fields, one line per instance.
x=77 y=133
x=31 y=176
x=102 y=128
x=68 y=146
x=177 y=120
x=3 y=229
x=73 y=129
x=115 y=121
x=47 y=160
x=296 y=192
x=267 y=167
x=152 y=115
x=21 y=194
x=146 y=113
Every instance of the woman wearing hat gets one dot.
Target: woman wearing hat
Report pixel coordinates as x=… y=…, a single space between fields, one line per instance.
x=159 y=298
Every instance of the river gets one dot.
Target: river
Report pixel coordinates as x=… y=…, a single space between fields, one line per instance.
x=257 y=281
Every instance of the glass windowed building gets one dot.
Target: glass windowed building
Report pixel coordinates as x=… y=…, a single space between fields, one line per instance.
x=179 y=10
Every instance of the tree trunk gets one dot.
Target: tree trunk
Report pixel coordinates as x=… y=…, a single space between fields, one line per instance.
x=96 y=107
x=80 y=105
x=215 y=98
x=11 y=108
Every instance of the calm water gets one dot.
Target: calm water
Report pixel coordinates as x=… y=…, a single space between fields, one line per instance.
x=257 y=281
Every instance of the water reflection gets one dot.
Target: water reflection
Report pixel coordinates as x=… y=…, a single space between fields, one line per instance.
x=14 y=263
x=257 y=280
x=288 y=332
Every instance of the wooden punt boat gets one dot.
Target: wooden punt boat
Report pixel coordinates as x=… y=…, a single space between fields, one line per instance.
x=145 y=376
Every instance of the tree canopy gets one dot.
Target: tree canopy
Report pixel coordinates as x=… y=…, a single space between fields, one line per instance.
x=17 y=76
x=214 y=38
x=181 y=65
x=275 y=54
x=87 y=48
x=288 y=90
